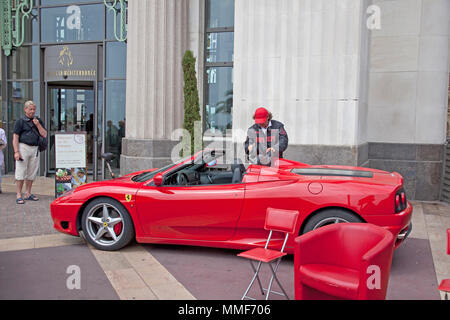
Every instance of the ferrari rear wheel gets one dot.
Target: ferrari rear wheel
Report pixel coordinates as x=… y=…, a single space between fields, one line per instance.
x=330 y=216
x=107 y=225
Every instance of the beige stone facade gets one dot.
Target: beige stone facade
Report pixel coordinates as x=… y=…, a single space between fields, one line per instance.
x=347 y=93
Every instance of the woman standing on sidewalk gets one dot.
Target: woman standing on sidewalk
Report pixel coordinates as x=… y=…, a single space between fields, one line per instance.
x=2 y=146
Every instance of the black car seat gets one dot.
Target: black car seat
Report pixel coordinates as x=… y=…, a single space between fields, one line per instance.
x=238 y=170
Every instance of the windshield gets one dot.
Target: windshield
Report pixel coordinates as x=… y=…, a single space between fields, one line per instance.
x=148 y=175
x=200 y=158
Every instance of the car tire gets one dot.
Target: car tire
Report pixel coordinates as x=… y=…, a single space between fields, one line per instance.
x=107 y=225
x=330 y=216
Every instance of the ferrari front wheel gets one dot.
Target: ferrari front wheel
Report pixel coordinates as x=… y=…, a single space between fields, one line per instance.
x=107 y=225
x=330 y=216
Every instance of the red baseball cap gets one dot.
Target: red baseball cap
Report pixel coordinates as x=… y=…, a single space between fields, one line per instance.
x=261 y=115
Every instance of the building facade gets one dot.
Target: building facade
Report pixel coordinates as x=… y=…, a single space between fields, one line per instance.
x=72 y=65
x=356 y=82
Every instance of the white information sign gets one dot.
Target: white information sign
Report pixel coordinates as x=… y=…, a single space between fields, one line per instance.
x=70 y=150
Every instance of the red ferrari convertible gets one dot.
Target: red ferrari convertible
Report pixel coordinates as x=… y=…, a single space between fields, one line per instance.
x=201 y=202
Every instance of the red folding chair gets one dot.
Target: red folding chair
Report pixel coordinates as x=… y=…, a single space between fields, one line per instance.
x=278 y=220
x=445 y=284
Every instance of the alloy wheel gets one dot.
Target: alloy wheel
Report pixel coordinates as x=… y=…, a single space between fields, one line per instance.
x=330 y=220
x=104 y=224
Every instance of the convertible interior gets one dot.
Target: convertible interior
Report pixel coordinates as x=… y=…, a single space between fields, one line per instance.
x=204 y=173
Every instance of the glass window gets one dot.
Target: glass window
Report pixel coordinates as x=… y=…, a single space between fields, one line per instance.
x=72 y=23
x=18 y=94
x=99 y=126
x=220 y=47
x=24 y=63
x=219 y=101
x=110 y=22
x=2 y=113
x=220 y=13
x=37 y=98
x=115 y=119
x=116 y=59
x=70 y=110
x=31 y=32
x=109 y=25
x=58 y=2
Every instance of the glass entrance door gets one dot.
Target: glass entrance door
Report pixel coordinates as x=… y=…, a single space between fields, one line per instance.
x=71 y=110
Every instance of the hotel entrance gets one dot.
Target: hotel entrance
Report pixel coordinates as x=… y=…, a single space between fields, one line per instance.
x=72 y=89
x=76 y=101
x=72 y=109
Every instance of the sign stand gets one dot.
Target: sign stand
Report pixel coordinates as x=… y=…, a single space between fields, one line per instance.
x=70 y=161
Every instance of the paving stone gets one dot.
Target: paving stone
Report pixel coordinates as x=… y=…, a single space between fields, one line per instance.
x=31 y=218
x=134 y=273
x=419 y=230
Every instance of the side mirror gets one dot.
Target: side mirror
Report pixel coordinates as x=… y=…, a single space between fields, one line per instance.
x=158 y=179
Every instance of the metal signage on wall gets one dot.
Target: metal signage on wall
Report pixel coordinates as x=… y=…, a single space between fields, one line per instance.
x=119 y=9
x=71 y=62
x=14 y=14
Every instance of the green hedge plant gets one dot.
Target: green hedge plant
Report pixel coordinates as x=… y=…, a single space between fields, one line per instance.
x=191 y=106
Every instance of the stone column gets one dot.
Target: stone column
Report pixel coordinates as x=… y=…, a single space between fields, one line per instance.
x=157 y=39
x=307 y=62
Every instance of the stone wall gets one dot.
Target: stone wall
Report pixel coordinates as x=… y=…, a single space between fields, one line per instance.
x=419 y=164
x=307 y=62
x=409 y=72
x=408 y=91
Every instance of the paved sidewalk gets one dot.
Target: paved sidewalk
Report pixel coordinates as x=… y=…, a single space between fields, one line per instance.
x=41 y=186
x=28 y=241
x=38 y=256
x=22 y=220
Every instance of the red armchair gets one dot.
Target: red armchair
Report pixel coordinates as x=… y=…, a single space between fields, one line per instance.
x=343 y=261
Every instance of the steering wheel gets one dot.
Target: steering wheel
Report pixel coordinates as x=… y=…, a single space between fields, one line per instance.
x=182 y=179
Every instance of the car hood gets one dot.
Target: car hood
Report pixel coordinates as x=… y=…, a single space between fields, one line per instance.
x=120 y=181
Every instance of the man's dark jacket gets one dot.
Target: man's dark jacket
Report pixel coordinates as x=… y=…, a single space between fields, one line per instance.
x=276 y=138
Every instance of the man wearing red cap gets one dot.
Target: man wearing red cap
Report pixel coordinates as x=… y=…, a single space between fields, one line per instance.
x=266 y=139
